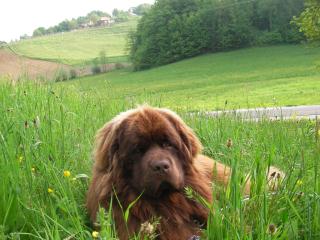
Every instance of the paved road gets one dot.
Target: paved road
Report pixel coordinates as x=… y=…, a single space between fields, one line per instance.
x=311 y=112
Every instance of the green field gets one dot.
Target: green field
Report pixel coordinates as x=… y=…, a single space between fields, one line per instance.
x=47 y=129
x=81 y=46
x=254 y=77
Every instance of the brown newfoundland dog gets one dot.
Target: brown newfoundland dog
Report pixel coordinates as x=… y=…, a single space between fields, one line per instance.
x=151 y=153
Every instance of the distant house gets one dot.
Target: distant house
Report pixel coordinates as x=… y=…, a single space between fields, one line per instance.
x=87 y=25
x=105 y=21
x=24 y=37
x=90 y=24
x=83 y=25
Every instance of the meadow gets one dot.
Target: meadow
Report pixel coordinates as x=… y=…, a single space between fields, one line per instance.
x=81 y=46
x=281 y=75
x=47 y=132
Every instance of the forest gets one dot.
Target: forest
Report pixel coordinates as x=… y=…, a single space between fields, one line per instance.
x=176 y=29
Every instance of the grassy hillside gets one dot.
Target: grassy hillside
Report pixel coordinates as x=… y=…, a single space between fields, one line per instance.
x=79 y=46
x=267 y=76
x=46 y=138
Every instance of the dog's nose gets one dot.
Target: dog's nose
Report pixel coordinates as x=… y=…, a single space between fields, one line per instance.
x=160 y=166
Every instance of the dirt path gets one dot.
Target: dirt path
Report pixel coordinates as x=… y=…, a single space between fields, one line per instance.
x=14 y=66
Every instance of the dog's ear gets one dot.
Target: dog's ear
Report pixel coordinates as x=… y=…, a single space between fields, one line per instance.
x=105 y=156
x=191 y=144
x=106 y=147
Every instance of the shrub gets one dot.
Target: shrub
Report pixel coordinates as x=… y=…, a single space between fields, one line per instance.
x=265 y=38
x=119 y=66
x=73 y=74
x=103 y=60
x=61 y=75
x=95 y=69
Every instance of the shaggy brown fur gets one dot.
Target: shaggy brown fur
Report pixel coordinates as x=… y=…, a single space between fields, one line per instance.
x=151 y=150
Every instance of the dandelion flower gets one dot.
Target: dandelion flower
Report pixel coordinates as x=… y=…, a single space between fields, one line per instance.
x=50 y=190
x=294 y=116
x=95 y=234
x=66 y=173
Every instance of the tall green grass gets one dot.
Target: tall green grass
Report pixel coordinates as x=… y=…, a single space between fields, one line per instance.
x=46 y=130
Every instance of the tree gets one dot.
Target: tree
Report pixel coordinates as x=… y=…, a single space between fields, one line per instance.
x=24 y=36
x=81 y=20
x=141 y=9
x=120 y=15
x=103 y=60
x=94 y=18
x=39 y=32
x=64 y=26
x=73 y=24
x=68 y=25
x=176 y=29
x=115 y=12
x=309 y=20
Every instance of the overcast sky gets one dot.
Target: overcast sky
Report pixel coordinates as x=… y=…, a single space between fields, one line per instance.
x=18 y=17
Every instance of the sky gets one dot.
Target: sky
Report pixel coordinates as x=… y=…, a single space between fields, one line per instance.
x=18 y=17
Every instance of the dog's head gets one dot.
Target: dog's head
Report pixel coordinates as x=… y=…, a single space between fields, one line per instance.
x=151 y=149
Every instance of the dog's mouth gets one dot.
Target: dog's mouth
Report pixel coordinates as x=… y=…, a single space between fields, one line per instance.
x=165 y=188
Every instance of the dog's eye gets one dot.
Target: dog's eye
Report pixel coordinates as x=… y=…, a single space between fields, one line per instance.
x=139 y=150
x=166 y=144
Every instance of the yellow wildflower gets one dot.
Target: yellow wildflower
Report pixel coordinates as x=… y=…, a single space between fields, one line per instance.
x=66 y=173
x=95 y=234
x=33 y=169
x=299 y=182
x=50 y=190
x=294 y=116
x=20 y=159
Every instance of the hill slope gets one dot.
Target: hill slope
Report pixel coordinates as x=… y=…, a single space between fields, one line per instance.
x=79 y=46
x=14 y=66
x=268 y=76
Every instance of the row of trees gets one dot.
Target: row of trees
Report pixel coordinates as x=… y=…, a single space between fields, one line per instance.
x=141 y=9
x=91 y=19
x=68 y=25
x=177 y=29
